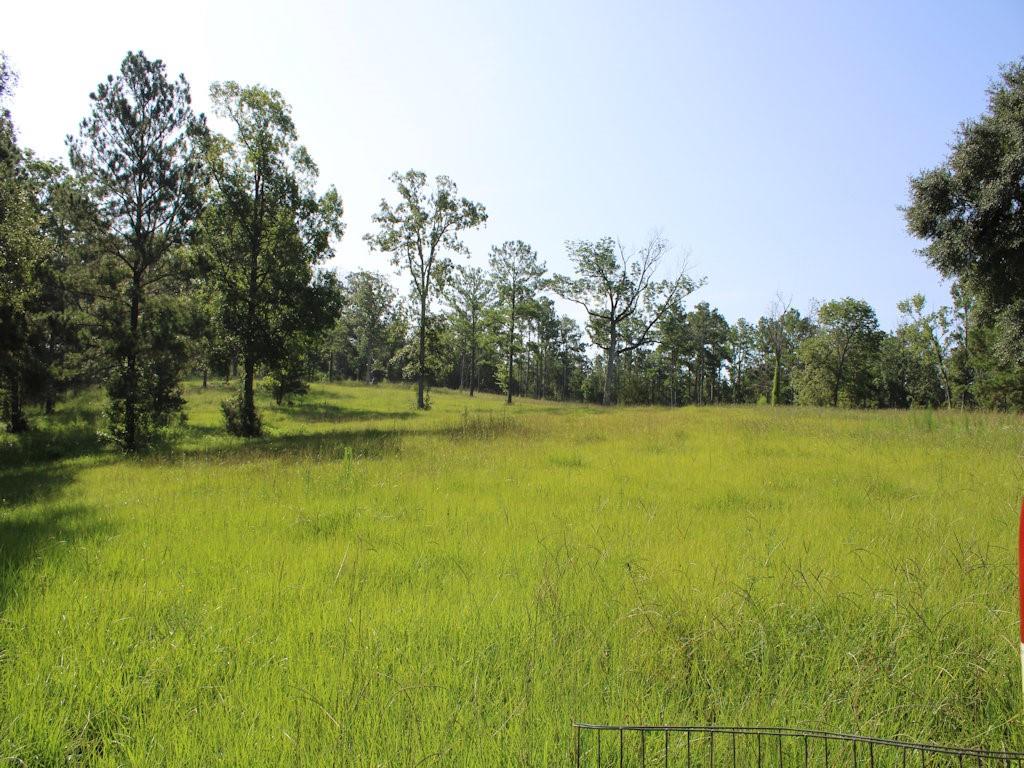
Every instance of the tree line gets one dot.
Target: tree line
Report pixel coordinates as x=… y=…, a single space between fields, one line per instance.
x=164 y=249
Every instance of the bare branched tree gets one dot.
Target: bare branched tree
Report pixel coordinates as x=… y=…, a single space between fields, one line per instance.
x=616 y=285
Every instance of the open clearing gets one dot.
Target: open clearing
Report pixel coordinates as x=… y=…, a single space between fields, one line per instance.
x=476 y=577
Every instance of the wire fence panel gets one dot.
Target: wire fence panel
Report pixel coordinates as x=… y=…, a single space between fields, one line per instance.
x=713 y=746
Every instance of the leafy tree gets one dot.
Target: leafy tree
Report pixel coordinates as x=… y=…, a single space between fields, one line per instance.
x=469 y=295
x=264 y=232
x=516 y=274
x=709 y=335
x=929 y=336
x=40 y=328
x=970 y=209
x=962 y=373
x=440 y=349
x=416 y=231
x=780 y=334
x=20 y=254
x=840 y=358
x=368 y=322
x=673 y=347
x=616 y=286
x=60 y=354
x=699 y=341
x=137 y=155
x=742 y=356
x=542 y=343
x=981 y=373
x=906 y=373
x=309 y=320
x=571 y=354
x=206 y=345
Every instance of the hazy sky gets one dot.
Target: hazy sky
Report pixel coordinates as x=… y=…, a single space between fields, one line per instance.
x=772 y=141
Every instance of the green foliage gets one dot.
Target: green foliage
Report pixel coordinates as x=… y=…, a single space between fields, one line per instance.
x=240 y=421
x=416 y=232
x=370 y=329
x=516 y=276
x=621 y=294
x=468 y=293
x=39 y=271
x=982 y=374
x=137 y=156
x=264 y=232
x=700 y=340
x=105 y=279
x=916 y=357
x=779 y=335
x=970 y=208
x=840 y=359
x=59 y=356
x=20 y=252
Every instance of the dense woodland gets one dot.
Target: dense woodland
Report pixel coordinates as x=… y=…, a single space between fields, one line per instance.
x=163 y=249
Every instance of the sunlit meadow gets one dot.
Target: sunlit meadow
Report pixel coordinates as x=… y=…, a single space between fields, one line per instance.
x=371 y=585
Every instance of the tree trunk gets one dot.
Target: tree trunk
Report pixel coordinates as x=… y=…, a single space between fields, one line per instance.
x=836 y=387
x=511 y=338
x=776 y=379
x=472 y=364
x=839 y=376
x=16 y=421
x=206 y=376
x=609 y=376
x=50 y=401
x=942 y=371
x=368 y=360
x=543 y=374
x=422 y=372
x=508 y=378
x=968 y=391
x=131 y=367
x=248 y=415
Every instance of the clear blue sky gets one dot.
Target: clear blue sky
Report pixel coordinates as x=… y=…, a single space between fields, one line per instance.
x=771 y=141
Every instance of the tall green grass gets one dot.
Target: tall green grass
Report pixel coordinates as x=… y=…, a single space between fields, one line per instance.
x=369 y=585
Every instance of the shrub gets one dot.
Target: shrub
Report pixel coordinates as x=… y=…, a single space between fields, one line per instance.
x=237 y=421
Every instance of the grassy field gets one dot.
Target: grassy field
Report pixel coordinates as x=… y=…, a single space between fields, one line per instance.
x=466 y=582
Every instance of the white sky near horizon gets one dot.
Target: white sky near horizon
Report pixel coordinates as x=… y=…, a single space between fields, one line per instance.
x=771 y=143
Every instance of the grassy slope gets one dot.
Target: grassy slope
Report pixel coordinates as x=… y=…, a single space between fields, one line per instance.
x=477 y=577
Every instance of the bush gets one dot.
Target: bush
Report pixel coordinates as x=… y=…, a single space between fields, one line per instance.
x=287 y=384
x=238 y=422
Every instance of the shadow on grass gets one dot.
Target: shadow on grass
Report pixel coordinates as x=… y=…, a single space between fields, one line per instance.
x=27 y=539
x=32 y=467
x=68 y=435
x=32 y=483
x=368 y=443
x=335 y=414
x=317 y=446
x=480 y=426
x=35 y=468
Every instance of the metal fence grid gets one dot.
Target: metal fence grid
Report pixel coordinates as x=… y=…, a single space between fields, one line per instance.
x=714 y=746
